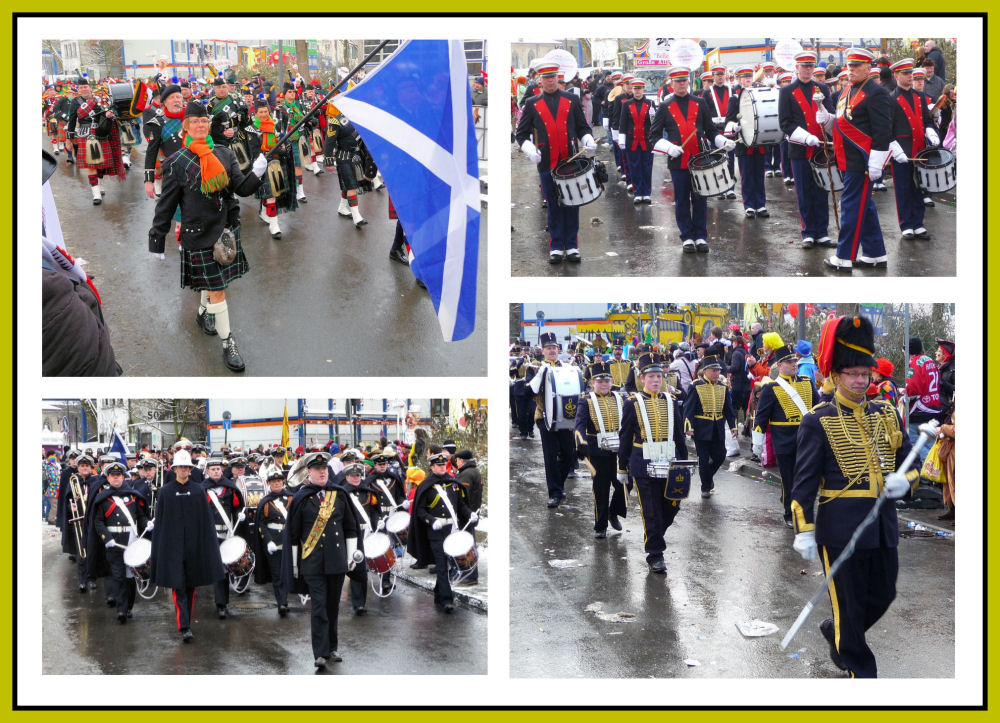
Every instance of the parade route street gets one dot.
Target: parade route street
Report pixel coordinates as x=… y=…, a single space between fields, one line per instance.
x=619 y=239
x=324 y=300
x=589 y=608
x=403 y=634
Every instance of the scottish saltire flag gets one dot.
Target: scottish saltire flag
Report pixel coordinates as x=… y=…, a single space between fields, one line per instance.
x=414 y=113
x=118 y=448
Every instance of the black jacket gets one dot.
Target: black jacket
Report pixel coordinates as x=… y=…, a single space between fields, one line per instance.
x=185 y=548
x=470 y=484
x=203 y=217
x=75 y=337
x=329 y=556
x=428 y=507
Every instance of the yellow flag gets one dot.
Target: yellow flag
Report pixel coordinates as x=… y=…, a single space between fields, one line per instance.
x=251 y=59
x=284 y=433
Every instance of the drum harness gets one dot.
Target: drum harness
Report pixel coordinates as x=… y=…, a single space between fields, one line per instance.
x=128 y=516
x=655 y=449
x=600 y=419
x=284 y=514
x=447 y=503
x=222 y=513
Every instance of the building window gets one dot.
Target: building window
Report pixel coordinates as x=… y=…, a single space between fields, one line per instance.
x=439 y=407
x=179 y=46
x=370 y=45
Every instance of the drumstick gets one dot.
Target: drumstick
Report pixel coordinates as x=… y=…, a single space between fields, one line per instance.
x=829 y=175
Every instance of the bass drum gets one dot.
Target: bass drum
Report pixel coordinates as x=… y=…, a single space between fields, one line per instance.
x=236 y=556
x=563 y=387
x=759 y=117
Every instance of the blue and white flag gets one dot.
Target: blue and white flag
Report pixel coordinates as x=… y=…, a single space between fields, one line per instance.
x=414 y=113
x=118 y=448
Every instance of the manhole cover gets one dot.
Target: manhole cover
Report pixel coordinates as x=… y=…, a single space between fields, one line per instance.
x=252 y=606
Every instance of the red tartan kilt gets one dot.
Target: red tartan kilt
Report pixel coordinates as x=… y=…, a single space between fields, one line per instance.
x=112 y=154
x=392 y=210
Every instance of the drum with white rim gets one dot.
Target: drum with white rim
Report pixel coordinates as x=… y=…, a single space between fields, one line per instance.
x=460 y=546
x=710 y=174
x=759 y=117
x=935 y=170
x=136 y=557
x=236 y=556
x=398 y=525
x=563 y=387
x=576 y=181
x=379 y=554
x=825 y=171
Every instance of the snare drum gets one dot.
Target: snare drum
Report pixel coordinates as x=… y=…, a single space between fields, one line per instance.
x=935 y=171
x=576 y=182
x=710 y=174
x=660 y=469
x=236 y=556
x=608 y=441
x=136 y=557
x=398 y=524
x=379 y=553
x=822 y=176
x=461 y=547
x=759 y=117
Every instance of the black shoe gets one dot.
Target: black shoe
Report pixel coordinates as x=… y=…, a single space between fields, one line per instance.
x=222 y=612
x=231 y=355
x=398 y=255
x=705 y=494
x=129 y=614
x=361 y=611
x=186 y=635
x=554 y=501
x=432 y=570
x=206 y=322
x=335 y=657
x=92 y=584
x=283 y=611
x=788 y=520
x=83 y=587
x=320 y=662
x=600 y=534
x=72 y=558
x=614 y=522
x=826 y=627
x=448 y=608
x=109 y=601
x=122 y=618
x=658 y=567
x=418 y=566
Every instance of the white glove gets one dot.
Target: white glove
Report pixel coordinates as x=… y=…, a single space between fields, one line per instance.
x=722 y=142
x=352 y=547
x=259 y=165
x=149 y=526
x=614 y=135
x=623 y=477
x=732 y=127
x=271 y=547
x=161 y=257
x=801 y=135
x=242 y=516
x=380 y=525
x=897 y=152
x=406 y=505
x=805 y=545
x=896 y=486
x=605 y=123
x=621 y=141
x=439 y=524
x=665 y=146
x=823 y=115
x=365 y=526
x=528 y=148
x=473 y=518
x=110 y=543
x=932 y=137
x=589 y=144
x=876 y=160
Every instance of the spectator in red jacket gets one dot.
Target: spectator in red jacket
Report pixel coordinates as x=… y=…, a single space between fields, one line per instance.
x=923 y=383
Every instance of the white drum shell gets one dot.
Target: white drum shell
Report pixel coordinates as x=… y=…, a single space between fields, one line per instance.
x=709 y=181
x=562 y=386
x=232 y=549
x=939 y=179
x=138 y=553
x=397 y=522
x=759 y=124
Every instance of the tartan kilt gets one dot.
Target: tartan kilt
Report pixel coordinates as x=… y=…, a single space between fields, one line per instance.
x=201 y=272
x=296 y=156
x=286 y=203
x=111 y=147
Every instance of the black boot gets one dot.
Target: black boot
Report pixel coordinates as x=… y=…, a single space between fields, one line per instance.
x=206 y=322
x=231 y=355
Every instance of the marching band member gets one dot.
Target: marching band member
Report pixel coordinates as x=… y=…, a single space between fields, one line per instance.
x=185 y=551
x=469 y=480
x=679 y=127
x=226 y=112
x=120 y=516
x=203 y=180
x=87 y=480
x=342 y=149
x=89 y=122
x=708 y=409
x=554 y=118
x=523 y=401
x=164 y=137
x=272 y=514
x=801 y=117
x=557 y=445
x=862 y=129
x=616 y=119
x=717 y=97
x=288 y=113
x=147 y=467
x=912 y=124
x=369 y=513
x=785 y=79
x=651 y=431
x=751 y=159
x=384 y=479
x=228 y=512
x=633 y=138
x=783 y=402
x=597 y=423
x=849 y=448
x=437 y=507
x=918 y=87
x=320 y=544
x=262 y=135
x=50 y=109
x=619 y=366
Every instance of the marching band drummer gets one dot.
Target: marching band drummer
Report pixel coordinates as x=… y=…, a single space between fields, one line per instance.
x=272 y=513
x=708 y=408
x=147 y=467
x=437 y=506
x=598 y=421
x=366 y=504
x=679 y=127
x=651 y=425
x=319 y=545
x=120 y=515
x=557 y=444
x=633 y=139
x=751 y=159
x=392 y=479
x=800 y=117
x=228 y=512
x=913 y=131
x=717 y=98
x=185 y=549
x=555 y=119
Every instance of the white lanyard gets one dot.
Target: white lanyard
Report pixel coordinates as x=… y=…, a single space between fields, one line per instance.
x=597 y=410
x=381 y=485
x=793 y=394
x=222 y=513
x=121 y=505
x=447 y=503
x=281 y=508
x=641 y=403
x=361 y=510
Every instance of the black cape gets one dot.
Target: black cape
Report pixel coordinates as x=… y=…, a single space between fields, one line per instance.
x=417 y=543
x=288 y=578
x=185 y=548
x=261 y=570
x=68 y=538
x=97 y=561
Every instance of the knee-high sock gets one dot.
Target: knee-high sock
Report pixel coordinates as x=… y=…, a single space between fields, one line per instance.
x=221 y=311
x=203 y=304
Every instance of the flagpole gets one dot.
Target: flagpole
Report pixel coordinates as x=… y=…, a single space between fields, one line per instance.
x=308 y=116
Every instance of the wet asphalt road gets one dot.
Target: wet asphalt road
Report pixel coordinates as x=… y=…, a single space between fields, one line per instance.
x=729 y=560
x=619 y=239
x=324 y=300
x=402 y=634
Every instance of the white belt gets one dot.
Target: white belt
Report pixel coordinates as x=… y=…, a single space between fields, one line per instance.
x=119 y=528
x=275 y=526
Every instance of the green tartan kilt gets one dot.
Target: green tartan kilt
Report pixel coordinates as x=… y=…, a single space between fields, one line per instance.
x=200 y=270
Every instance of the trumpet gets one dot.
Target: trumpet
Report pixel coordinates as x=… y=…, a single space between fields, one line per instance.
x=78 y=509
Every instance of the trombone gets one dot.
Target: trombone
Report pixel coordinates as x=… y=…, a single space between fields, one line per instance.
x=78 y=509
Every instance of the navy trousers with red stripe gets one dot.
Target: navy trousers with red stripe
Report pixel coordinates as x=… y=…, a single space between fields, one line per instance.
x=786 y=161
x=909 y=200
x=813 y=207
x=859 y=227
x=690 y=209
x=752 y=180
x=640 y=164
x=183 y=605
x=564 y=221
